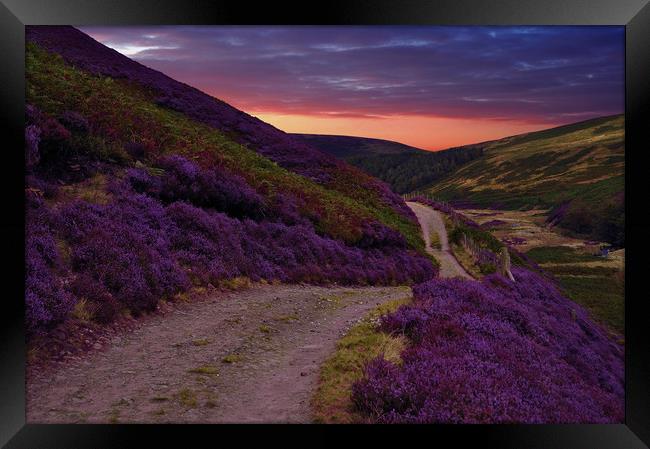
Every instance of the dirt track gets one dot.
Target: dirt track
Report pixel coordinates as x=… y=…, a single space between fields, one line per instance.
x=431 y=221
x=172 y=368
x=245 y=356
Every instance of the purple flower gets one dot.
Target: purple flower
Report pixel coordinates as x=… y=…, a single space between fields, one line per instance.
x=32 y=139
x=495 y=352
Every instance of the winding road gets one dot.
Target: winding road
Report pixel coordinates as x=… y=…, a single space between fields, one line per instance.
x=245 y=356
x=431 y=222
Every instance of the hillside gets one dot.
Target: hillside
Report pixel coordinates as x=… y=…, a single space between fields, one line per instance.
x=346 y=147
x=403 y=167
x=140 y=188
x=576 y=170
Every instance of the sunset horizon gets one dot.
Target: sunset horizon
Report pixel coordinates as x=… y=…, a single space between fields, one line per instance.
x=428 y=87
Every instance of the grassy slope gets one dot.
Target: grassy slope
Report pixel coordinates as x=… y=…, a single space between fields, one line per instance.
x=601 y=289
x=122 y=110
x=544 y=168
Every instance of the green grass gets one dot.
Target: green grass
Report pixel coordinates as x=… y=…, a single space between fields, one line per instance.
x=600 y=289
x=483 y=238
x=81 y=311
x=582 y=162
x=208 y=370
x=580 y=270
x=603 y=296
x=435 y=240
x=187 y=398
x=559 y=254
x=466 y=261
x=331 y=402
x=231 y=358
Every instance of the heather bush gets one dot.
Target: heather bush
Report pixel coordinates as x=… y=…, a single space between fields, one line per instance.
x=136 y=150
x=217 y=246
x=121 y=245
x=32 y=139
x=213 y=188
x=46 y=300
x=121 y=114
x=74 y=121
x=135 y=250
x=515 y=241
x=100 y=303
x=487 y=261
x=377 y=235
x=36 y=189
x=495 y=352
x=53 y=131
x=493 y=224
x=46 y=139
x=144 y=182
x=207 y=244
x=286 y=208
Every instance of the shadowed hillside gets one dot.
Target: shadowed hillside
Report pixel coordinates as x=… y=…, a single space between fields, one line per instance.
x=346 y=147
x=404 y=167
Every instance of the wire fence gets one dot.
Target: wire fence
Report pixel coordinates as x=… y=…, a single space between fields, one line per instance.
x=474 y=249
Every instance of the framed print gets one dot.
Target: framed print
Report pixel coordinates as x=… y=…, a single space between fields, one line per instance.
x=379 y=220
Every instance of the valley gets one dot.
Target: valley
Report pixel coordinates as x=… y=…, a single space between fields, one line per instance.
x=589 y=277
x=187 y=262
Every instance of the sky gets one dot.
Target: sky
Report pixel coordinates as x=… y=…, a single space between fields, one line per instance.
x=430 y=87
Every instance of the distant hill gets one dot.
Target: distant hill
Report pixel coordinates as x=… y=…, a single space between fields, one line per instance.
x=346 y=147
x=404 y=167
x=576 y=171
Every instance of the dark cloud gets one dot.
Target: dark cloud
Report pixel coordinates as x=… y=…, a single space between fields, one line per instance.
x=536 y=74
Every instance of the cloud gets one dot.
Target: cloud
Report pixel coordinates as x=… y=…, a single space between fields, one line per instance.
x=528 y=74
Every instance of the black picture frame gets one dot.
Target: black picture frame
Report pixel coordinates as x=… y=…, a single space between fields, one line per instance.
x=633 y=14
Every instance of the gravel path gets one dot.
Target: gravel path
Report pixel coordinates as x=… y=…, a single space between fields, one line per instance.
x=431 y=221
x=247 y=356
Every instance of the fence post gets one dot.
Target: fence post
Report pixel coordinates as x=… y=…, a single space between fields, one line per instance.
x=504 y=269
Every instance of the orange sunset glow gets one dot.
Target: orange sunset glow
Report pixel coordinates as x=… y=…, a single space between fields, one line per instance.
x=427 y=133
